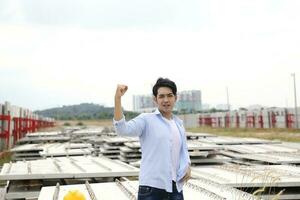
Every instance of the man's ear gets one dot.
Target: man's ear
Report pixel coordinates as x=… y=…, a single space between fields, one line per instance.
x=175 y=97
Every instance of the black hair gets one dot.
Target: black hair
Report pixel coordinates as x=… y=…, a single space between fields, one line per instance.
x=164 y=82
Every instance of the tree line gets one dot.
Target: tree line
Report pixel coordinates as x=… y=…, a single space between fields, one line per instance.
x=83 y=111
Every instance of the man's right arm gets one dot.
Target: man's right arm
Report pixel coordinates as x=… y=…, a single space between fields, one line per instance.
x=121 y=89
x=133 y=127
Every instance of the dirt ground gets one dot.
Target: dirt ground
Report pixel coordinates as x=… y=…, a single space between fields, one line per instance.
x=59 y=125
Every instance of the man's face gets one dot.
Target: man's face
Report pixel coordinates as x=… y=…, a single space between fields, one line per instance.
x=165 y=100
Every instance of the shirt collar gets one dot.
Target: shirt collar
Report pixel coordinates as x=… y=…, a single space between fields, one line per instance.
x=175 y=118
x=157 y=112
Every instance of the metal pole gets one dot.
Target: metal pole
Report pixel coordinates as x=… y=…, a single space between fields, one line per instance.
x=228 y=106
x=295 y=98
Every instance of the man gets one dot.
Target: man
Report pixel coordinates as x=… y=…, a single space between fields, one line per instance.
x=165 y=164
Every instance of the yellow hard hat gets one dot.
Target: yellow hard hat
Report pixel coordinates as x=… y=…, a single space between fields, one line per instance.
x=74 y=195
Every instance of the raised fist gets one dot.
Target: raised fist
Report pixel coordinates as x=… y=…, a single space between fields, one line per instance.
x=121 y=89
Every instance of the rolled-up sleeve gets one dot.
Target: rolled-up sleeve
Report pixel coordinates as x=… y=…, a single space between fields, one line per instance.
x=133 y=127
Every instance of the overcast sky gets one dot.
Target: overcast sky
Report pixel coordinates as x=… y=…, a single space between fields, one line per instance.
x=64 y=52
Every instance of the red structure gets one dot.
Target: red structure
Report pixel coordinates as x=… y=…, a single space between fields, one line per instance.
x=205 y=121
x=17 y=129
x=289 y=120
x=4 y=132
x=227 y=121
x=250 y=121
x=21 y=126
x=237 y=118
x=273 y=120
x=214 y=122
x=260 y=121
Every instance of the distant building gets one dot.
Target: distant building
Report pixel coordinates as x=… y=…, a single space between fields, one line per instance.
x=189 y=101
x=143 y=103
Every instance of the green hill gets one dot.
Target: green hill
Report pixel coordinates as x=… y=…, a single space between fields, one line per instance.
x=84 y=111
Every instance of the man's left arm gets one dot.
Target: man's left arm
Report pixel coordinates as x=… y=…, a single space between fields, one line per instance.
x=187 y=175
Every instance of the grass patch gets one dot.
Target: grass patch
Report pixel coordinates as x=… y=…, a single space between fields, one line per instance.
x=5 y=157
x=103 y=122
x=67 y=124
x=80 y=124
x=61 y=124
x=288 y=135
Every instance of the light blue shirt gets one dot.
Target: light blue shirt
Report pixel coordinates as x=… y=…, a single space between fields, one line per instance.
x=156 y=145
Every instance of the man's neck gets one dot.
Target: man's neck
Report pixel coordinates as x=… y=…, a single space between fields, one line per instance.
x=167 y=115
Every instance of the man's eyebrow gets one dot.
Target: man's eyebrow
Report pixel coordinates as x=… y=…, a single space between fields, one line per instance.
x=166 y=94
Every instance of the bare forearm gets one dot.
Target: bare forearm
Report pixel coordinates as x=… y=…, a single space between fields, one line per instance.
x=121 y=89
x=118 y=109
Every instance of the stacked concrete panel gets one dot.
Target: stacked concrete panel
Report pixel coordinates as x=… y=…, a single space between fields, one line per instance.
x=111 y=146
x=35 y=151
x=131 y=152
x=27 y=152
x=205 y=153
x=42 y=137
x=85 y=132
x=66 y=149
x=97 y=143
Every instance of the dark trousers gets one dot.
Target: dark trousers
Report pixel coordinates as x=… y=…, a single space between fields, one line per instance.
x=152 y=193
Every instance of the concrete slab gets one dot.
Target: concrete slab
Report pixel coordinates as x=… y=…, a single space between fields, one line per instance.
x=261 y=148
x=194 y=189
x=198 y=145
x=223 y=140
x=250 y=176
x=213 y=159
x=66 y=167
x=191 y=135
x=274 y=158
